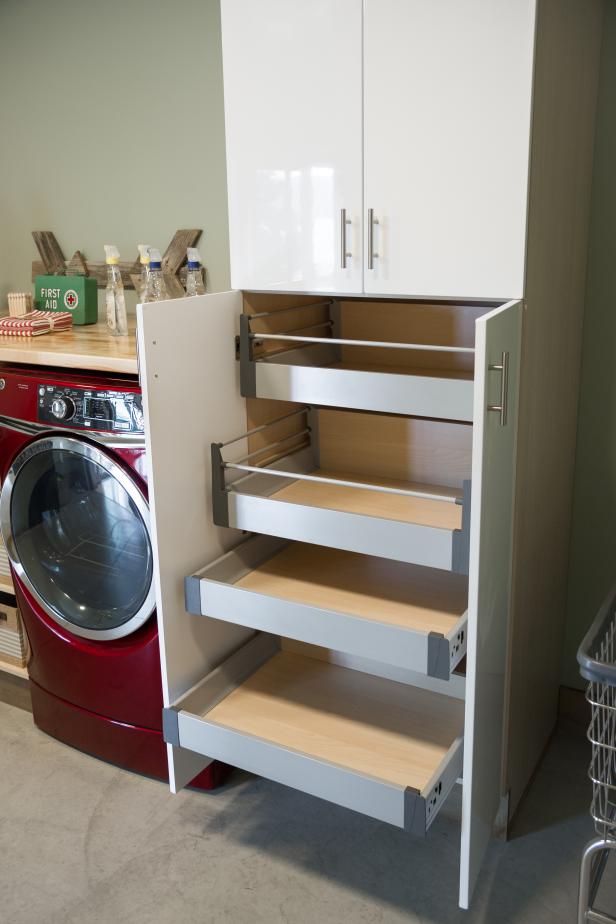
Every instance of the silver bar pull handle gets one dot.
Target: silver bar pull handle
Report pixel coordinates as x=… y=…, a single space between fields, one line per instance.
x=503 y=368
x=344 y=254
x=372 y=221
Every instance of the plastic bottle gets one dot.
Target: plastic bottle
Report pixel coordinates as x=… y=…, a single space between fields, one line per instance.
x=144 y=259
x=194 y=274
x=114 y=293
x=156 y=290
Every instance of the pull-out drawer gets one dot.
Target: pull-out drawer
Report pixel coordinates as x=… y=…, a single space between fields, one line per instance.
x=316 y=372
x=396 y=613
x=420 y=524
x=379 y=747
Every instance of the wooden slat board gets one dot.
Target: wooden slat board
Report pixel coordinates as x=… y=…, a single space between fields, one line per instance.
x=88 y=346
x=441 y=514
x=387 y=730
x=373 y=588
x=50 y=251
x=175 y=254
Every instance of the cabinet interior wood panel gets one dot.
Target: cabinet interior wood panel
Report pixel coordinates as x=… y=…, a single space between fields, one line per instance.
x=410 y=322
x=405 y=448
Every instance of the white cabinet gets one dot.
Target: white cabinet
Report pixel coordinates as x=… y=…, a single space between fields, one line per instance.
x=394 y=580
x=447 y=100
x=372 y=444
x=293 y=113
x=413 y=116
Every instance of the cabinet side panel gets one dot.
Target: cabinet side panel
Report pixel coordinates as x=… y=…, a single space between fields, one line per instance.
x=566 y=74
x=191 y=398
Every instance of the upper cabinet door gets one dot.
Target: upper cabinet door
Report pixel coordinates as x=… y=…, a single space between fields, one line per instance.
x=293 y=112
x=447 y=96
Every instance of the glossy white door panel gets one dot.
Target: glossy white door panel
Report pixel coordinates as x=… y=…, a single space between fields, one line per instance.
x=491 y=546
x=293 y=113
x=447 y=96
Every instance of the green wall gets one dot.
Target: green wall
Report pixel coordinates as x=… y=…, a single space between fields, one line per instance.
x=593 y=543
x=111 y=129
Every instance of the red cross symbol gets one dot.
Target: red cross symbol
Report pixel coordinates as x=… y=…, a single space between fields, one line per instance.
x=70 y=298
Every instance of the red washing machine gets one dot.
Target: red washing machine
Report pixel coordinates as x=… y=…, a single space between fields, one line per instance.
x=75 y=523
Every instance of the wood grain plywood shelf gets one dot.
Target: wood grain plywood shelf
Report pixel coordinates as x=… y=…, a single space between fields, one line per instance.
x=372 y=588
x=435 y=513
x=389 y=731
x=89 y=347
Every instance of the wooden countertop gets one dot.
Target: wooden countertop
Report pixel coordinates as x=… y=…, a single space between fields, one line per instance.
x=88 y=346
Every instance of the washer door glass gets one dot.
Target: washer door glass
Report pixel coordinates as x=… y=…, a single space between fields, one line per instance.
x=81 y=538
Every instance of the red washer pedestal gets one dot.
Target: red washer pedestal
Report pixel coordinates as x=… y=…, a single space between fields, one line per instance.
x=128 y=746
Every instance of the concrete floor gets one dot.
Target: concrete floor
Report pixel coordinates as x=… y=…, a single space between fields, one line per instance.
x=82 y=842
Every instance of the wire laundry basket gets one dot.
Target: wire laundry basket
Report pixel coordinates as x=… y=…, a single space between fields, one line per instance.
x=597 y=660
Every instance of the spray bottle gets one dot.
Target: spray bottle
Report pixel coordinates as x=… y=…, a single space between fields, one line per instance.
x=156 y=290
x=194 y=274
x=114 y=293
x=144 y=260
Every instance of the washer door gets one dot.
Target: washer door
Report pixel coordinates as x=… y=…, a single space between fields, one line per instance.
x=76 y=528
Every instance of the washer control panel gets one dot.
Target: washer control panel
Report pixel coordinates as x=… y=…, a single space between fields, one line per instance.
x=89 y=409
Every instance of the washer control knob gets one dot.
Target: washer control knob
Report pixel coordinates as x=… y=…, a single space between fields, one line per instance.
x=62 y=408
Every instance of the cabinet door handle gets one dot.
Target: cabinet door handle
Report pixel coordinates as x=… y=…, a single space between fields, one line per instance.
x=344 y=254
x=372 y=221
x=503 y=368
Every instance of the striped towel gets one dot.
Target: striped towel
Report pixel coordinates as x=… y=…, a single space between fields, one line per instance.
x=35 y=323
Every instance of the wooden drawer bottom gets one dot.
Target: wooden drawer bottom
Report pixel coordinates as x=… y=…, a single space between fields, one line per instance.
x=383 y=748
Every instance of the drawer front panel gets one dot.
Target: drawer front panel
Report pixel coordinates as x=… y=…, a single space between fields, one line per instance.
x=423 y=396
